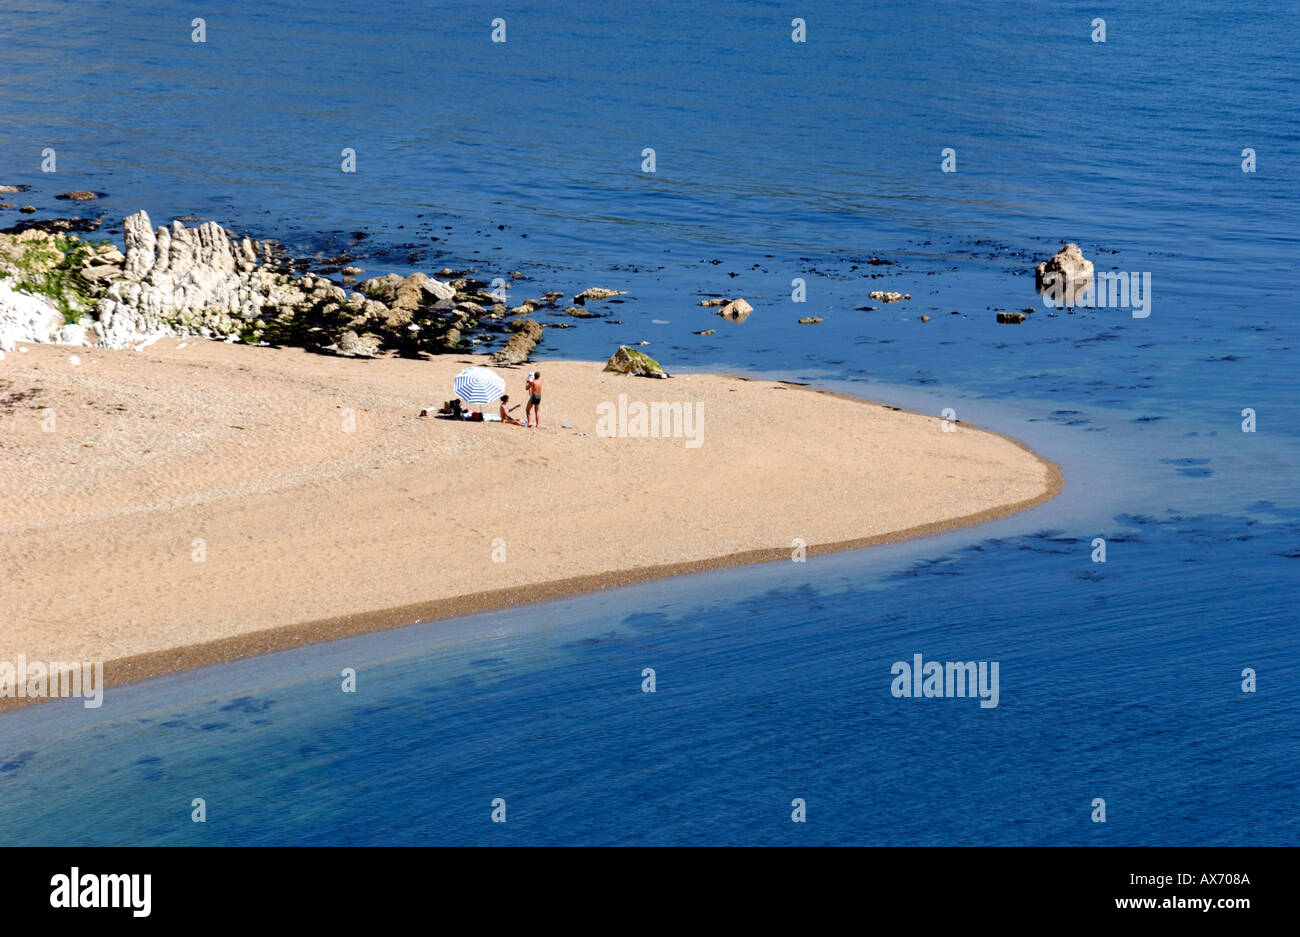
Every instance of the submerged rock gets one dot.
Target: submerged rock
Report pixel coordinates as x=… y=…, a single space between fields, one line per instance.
x=637 y=363
x=809 y=320
x=78 y=195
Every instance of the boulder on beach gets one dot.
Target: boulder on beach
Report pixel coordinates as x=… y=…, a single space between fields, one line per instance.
x=737 y=310
x=358 y=346
x=636 y=363
x=1067 y=271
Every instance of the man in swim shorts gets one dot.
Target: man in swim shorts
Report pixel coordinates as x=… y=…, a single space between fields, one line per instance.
x=534 y=387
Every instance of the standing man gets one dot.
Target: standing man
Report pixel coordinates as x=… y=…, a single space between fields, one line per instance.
x=534 y=387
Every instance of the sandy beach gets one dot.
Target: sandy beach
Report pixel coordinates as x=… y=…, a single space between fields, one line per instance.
x=197 y=501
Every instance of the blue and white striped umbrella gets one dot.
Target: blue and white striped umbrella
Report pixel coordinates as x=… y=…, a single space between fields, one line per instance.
x=479 y=385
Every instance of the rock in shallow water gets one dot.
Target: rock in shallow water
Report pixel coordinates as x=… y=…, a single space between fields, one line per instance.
x=520 y=345
x=597 y=292
x=737 y=310
x=1067 y=270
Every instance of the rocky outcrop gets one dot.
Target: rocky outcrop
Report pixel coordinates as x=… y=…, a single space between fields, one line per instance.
x=630 y=361
x=737 y=310
x=178 y=280
x=1067 y=272
x=204 y=281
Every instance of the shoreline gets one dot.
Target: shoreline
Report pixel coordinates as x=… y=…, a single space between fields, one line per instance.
x=153 y=664
x=914 y=454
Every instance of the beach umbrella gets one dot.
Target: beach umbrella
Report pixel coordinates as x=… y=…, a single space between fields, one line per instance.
x=479 y=385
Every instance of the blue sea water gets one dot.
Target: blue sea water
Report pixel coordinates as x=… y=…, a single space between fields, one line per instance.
x=777 y=160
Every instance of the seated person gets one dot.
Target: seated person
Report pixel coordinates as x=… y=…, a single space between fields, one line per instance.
x=505 y=414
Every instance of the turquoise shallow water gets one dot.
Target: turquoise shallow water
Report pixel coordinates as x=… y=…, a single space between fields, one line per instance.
x=1118 y=680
